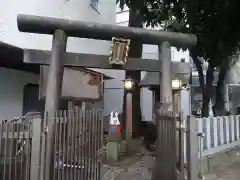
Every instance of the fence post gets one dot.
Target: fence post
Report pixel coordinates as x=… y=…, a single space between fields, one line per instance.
x=181 y=146
x=192 y=148
x=36 y=149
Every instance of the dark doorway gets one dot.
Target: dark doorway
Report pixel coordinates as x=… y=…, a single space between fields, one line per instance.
x=31 y=103
x=238 y=110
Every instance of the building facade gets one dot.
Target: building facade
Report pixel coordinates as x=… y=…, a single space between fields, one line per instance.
x=14 y=74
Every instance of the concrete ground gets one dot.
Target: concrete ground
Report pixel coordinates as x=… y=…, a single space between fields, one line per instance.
x=231 y=172
x=134 y=168
x=140 y=168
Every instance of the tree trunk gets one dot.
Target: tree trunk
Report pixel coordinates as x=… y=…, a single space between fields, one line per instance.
x=199 y=68
x=135 y=20
x=219 y=107
x=207 y=91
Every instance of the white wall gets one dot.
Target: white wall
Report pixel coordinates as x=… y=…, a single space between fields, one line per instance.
x=12 y=83
x=68 y=9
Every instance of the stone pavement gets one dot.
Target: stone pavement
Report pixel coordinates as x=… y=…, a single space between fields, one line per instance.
x=138 y=169
x=141 y=169
x=231 y=172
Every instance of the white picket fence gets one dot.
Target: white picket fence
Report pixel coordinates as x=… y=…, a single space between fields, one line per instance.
x=221 y=133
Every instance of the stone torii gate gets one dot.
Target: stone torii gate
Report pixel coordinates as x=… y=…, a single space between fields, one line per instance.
x=57 y=58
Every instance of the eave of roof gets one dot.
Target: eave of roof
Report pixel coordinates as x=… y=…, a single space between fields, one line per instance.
x=12 y=57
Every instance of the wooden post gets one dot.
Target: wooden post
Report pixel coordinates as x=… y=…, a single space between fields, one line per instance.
x=192 y=148
x=36 y=147
x=226 y=96
x=129 y=117
x=70 y=105
x=54 y=90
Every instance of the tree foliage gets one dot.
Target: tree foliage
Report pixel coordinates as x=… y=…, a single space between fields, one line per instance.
x=215 y=22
